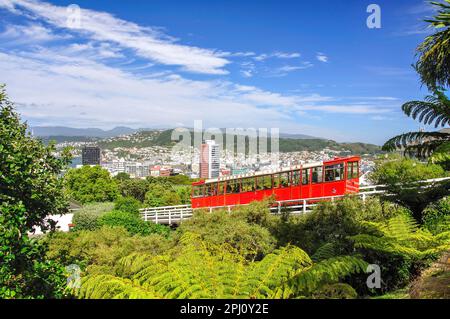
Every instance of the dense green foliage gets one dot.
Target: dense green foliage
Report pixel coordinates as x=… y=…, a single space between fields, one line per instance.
x=101 y=248
x=436 y=217
x=161 y=195
x=87 y=217
x=29 y=191
x=128 y=205
x=249 y=239
x=132 y=223
x=401 y=177
x=90 y=184
x=205 y=270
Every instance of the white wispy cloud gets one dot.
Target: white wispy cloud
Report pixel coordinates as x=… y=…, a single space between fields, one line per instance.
x=277 y=54
x=321 y=57
x=286 y=69
x=147 y=42
x=93 y=79
x=29 y=33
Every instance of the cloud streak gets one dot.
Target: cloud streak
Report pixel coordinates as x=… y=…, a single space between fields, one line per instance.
x=146 y=42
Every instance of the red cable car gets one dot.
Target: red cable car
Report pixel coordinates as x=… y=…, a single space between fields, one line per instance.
x=330 y=178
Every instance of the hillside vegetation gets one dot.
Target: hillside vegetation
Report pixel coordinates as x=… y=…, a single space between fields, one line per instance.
x=163 y=138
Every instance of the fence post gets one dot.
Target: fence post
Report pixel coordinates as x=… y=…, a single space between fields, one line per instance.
x=364 y=197
x=229 y=209
x=145 y=215
x=181 y=215
x=304 y=206
x=279 y=207
x=170 y=218
x=156 y=217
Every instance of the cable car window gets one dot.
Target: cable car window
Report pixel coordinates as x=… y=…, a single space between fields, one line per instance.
x=213 y=189
x=248 y=184
x=296 y=178
x=352 y=170
x=229 y=187
x=317 y=173
x=264 y=182
x=284 y=179
x=276 y=180
x=334 y=172
x=305 y=176
x=221 y=188
x=237 y=186
x=198 y=191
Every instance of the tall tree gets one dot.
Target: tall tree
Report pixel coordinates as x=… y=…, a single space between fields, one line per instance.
x=30 y=190
x=433 y=66
x=433 y=63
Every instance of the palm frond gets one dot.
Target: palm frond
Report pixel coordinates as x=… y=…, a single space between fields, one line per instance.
x=435 y=109
x=420 y=144
x=433 y=63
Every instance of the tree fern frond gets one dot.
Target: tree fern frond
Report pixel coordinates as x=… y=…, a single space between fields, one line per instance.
x=327 y=271
x=274 y=269
x=325 y=251
x=109 y=287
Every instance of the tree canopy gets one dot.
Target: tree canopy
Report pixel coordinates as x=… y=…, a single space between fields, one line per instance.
x=30 y=190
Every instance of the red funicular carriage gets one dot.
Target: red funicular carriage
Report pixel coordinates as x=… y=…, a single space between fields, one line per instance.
x=339 y=176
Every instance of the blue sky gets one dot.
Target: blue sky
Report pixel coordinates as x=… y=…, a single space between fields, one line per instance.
x=311 y=67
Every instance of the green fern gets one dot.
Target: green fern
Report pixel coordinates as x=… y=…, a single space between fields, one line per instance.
x=203 y=270
x=401 y=235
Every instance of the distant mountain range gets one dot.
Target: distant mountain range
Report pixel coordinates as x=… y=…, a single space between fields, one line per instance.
x=46 y=131
x=108 y=139
x=61 y=131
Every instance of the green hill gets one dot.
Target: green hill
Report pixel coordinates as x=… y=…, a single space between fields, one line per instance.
x=163 y=138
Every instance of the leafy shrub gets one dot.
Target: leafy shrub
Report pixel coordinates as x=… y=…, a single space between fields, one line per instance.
x=161 y=195
x=90 y=184
x=436 y=217
x=87 y=217
x=102 y=247
x=132 y=223
x=251 y=240
x=134 y=187
x=128 y=205
x=400 y=248
x=332 y=222
x=205 y=270
x=401 y=174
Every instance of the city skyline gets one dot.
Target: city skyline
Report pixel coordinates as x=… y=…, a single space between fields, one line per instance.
x=249 y=64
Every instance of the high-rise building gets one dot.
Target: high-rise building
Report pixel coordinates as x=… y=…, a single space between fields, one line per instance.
x=209 y=159
x=90 y=155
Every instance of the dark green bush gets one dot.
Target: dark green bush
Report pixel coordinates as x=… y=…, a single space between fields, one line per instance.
x=436 y=217
x=132 y=223
x=102 y=247
x=128 y=205
x=87 y=217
